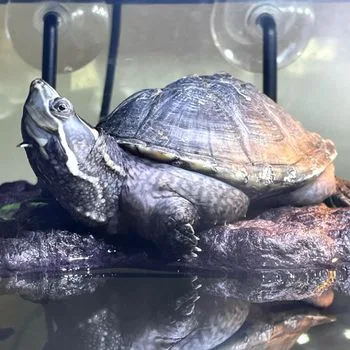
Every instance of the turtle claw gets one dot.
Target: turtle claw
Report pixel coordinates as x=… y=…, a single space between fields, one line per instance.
x=191 y=237
x=195 y=283
x=190 y=312
x=180 y=240
x=186 y=305
x=190 y=228
x=186 y=235
x=198 y=286
x=194 y=279
x=190 y=256
x=24 y=145
x=196 y=298
x=192 y=231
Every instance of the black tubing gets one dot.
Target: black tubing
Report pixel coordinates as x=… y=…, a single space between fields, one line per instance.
x=269 y=55
x=50 y=44
x=112 y=58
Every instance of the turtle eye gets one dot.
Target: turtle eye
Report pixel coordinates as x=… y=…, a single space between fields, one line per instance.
x=61 y=106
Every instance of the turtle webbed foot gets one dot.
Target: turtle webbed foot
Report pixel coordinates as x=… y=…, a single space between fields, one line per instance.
x=173 y=228
x=179 y=242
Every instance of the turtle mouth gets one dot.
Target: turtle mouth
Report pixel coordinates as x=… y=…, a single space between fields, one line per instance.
x=40 y=135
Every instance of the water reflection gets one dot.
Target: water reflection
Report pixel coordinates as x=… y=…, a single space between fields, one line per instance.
x=137 y=311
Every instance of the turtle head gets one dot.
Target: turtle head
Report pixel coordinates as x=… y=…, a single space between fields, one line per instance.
x=49 y=119
x=65 y=153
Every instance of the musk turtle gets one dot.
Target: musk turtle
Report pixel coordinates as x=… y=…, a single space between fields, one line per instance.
x=168 y=163
x=223 y=127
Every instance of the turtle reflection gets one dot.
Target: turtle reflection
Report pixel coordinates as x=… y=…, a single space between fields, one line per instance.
x=108 y=311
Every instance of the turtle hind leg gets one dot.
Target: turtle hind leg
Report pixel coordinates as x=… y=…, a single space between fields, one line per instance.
x=313 y=192
x=316 y=191
x=322 y=301
x=341 y=198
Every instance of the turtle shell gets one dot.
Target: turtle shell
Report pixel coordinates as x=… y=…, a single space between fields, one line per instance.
x=223 y=127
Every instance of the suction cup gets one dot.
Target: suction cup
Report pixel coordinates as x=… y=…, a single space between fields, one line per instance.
x=238 y=36
x=83 y=32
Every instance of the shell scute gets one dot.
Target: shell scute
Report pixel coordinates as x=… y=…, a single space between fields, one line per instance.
x=219 y=125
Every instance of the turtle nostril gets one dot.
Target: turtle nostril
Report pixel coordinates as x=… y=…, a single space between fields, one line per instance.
x=36 y=83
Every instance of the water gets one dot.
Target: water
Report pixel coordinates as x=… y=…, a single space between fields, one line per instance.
x=119 y=310
x=129 y=309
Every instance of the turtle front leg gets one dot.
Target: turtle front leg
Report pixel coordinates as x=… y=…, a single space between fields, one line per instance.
x=171 y=206
x=342 y=196
x=173 y=223
x=184 y=206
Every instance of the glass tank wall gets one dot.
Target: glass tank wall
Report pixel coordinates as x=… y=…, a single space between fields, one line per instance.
x=163 y=41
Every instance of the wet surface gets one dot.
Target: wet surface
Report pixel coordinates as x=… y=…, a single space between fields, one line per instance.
x=137 y=310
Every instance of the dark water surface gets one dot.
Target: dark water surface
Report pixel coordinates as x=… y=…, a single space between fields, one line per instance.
x=142 y=310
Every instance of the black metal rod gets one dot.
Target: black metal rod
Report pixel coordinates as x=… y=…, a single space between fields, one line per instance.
x=269 y=55
x=134 y=2
x=112 y=58
x=50 y=39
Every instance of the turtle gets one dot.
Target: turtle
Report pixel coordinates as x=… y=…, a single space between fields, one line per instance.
x=169 y=163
